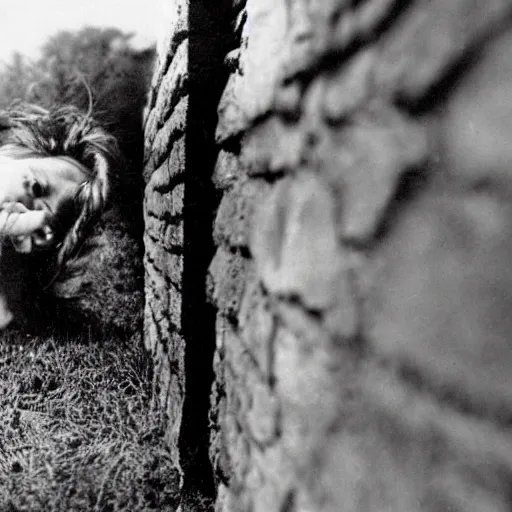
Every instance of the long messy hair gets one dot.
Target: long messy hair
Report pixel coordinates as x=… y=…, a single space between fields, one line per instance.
x=66 y=132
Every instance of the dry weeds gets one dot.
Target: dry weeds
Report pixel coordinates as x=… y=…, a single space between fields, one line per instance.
x=77 y=432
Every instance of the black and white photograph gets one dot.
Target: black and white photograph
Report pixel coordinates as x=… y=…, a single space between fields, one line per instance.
x=256 y=256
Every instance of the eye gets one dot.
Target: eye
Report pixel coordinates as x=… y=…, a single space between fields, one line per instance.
x=37 y=189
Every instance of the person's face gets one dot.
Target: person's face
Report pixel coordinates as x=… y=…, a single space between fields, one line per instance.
x=39 y=183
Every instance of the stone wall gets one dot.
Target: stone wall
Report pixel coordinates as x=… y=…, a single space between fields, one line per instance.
x=361 y=273
x=179 y=205
x=165 y=120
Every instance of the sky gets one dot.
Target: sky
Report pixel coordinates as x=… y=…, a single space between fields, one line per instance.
x=26 y=24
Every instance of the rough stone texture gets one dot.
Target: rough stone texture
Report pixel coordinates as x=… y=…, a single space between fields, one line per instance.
x=164 y=167
x=250 y=88
x=362 y=276
x=179 y=208
x=361 y=269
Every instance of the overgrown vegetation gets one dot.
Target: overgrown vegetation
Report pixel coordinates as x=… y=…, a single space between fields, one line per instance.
x=77 y=431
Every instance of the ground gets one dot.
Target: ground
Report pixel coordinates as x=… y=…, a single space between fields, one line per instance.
x=76 y=428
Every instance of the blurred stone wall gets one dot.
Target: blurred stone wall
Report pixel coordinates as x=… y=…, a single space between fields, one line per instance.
x=361 y=272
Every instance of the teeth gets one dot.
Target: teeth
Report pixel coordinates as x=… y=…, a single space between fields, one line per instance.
x=39 y=238
x=25 y=227
x=22 y=244
x=43 y=236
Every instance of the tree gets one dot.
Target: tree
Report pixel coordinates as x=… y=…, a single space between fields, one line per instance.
x=95 y=64
x=97 y=67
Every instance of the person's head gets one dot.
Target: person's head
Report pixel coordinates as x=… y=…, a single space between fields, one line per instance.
x=39 y=182
x=58 y=160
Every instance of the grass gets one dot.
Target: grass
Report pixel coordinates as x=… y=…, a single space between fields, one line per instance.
x=77 y=429
x=106 y=286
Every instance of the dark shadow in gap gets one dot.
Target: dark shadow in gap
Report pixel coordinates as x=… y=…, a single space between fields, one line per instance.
x=208 y=44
